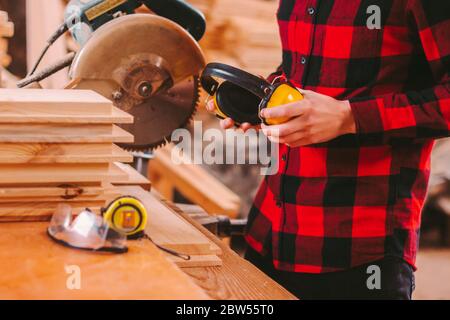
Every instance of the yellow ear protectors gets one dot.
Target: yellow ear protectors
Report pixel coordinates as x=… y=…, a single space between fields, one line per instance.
x=242 y=95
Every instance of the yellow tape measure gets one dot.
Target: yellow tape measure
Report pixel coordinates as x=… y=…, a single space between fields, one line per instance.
x=126 y=215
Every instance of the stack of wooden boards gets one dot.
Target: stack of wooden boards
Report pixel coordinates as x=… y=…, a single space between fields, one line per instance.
x=242 y=33
x=6 y=31
x=58 y=146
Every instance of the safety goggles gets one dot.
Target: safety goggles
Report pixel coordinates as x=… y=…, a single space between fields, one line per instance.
x=87 y=231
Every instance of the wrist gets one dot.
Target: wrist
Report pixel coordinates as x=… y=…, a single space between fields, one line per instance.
x=348 y=120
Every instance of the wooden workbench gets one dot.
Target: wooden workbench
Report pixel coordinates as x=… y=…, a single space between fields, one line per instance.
x=236 y=279
x=34 y=267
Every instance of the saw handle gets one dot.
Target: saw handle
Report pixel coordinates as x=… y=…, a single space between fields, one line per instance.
x=180 y=12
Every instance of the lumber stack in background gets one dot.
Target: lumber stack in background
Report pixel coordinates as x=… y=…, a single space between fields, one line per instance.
x=58 y=146
x=243 y=33
x=6 y=31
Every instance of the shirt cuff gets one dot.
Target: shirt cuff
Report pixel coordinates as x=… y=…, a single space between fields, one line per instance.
x=367 y=115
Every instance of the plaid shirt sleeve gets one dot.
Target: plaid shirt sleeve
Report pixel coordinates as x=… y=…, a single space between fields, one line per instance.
x=416 y=114
x=277 y=73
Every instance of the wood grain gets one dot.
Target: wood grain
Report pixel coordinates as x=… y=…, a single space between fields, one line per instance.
x=43 y=209
x=38 y=133
x=237 y=279
x=39 y=114
x=192 y=182
x=62 y=153
x=168 y=229
x=59 y=173
x=13 y=193
x=133 y=178
x=72 y=102
x=36 y=269
x=196 y=261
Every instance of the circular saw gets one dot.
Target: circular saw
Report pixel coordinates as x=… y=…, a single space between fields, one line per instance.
x=148 y=66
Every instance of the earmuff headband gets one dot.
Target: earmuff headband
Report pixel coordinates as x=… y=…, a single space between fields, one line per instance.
x=250 y=82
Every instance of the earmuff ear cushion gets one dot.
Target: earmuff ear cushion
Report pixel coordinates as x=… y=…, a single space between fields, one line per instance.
x=238 y=103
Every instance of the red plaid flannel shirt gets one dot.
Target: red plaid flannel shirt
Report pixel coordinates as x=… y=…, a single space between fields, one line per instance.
x=357 y=198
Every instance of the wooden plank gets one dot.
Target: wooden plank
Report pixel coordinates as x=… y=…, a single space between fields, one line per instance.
x=3 y=17
x=43 y=210
x=52 y=100
x=38 y=114
x=85 y=184
x=196 y=261
x=43 y=17
x=103 y=198
x=37 y=133
x=69 y=195
x=194 y=183
x=134 y=178
x=14 y=193
x=7 y=29
x=236 y=279
x=6 y=60
x=62 y=153
x=3 y=45
x=58 y=173
x=169 y=230
x=37 y=269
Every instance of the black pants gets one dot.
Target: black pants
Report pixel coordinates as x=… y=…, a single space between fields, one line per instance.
x=396 y=280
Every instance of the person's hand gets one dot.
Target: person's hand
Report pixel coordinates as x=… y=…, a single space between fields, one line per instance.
x=228 y=123
x=315 y=119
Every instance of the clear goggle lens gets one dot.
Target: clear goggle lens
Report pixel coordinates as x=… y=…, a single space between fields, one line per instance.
x=87 y=231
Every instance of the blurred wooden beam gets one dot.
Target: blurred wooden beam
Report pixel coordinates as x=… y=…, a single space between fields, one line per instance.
x=43 y=18
x=17 y=45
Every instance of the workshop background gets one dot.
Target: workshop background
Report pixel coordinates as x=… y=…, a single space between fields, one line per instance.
x=242 y=33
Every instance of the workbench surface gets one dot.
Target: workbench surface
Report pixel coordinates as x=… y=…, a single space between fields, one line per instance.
x=236 y=279
x=34 y=267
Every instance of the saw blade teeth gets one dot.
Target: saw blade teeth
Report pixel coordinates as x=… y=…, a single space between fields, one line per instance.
x=189 y=116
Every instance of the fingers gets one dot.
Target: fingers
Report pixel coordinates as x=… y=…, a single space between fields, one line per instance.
x=306 y=92
x=227 y=123
x=294 y=140
x=284 y=129
x=210 y=106
x=246 y=126
x=289 y=110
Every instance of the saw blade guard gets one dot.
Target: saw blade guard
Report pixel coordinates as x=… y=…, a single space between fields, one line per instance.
x=112 y=47
x=148 y=66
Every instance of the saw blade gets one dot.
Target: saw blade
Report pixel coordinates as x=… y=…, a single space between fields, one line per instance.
x=159 y=116
x=147 y=66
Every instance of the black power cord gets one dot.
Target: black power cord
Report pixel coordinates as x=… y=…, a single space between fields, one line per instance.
x=58 y=33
